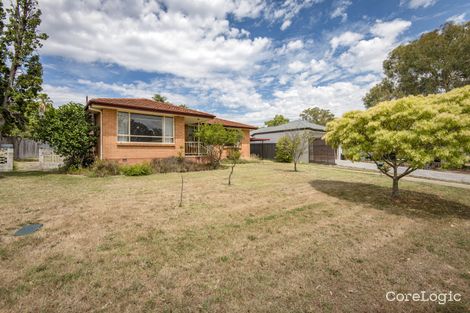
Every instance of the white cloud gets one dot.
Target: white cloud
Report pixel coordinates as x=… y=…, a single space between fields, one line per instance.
x=286 y=24
x=368 y=54
x=345 y=39
x=340 y=9
x=287 y=10
x=390 y=30
x=295 y=45
x=318 y=66
x=338 y=97
x=296 y=66
x=457 y=18
x=64 y=94
x=414 y=4
x=188 y=39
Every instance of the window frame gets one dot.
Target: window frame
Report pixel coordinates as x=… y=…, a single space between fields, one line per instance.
x=129 y=135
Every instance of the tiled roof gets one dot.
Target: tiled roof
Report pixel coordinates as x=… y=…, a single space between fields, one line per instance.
x=147 y=105
x=228 y=123
x=294 y=125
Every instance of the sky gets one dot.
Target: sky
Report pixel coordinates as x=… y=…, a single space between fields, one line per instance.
x=244 y=60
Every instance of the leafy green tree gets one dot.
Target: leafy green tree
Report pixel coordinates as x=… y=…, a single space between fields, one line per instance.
x=437 y=62
x=383 y=91
x=411 y=132
x=216 y=138
x=159 y=98
x=234 y=157
x=317 y=115
x=20 y=66
x=69 y=131
x=283 y=150
x=277 y=120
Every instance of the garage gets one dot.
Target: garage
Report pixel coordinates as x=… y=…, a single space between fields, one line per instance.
x=320 y=152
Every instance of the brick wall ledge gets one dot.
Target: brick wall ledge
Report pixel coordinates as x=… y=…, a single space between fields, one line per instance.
x=145 y=144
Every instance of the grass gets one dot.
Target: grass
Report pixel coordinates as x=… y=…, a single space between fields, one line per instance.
x=320 y=240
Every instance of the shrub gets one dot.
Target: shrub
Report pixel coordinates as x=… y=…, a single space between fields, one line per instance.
x=140 y=169
x=103 y=168
x=284 y=150
x=172 y=164
x=70 y=132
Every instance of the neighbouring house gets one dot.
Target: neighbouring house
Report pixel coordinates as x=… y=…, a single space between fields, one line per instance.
x=263 y=141
x=135 y=130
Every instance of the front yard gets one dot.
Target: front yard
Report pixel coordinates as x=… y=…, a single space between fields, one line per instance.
x=320 y=240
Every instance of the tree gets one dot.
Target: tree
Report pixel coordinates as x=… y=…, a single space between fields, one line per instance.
x=437 y=62
x=291 y=147
x=69 y=131
x=216 y=138
x=383 y=91
x=410 y=132
x=283 y=150
x=159 y=98
x=277 y=120
x=181 y=170
x=234 y=157
x=317 y=115
x=20 y=66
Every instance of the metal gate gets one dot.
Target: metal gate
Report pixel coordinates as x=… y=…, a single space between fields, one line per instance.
x=320 y=152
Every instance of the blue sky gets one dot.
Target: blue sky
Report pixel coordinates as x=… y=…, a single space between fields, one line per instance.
x=245 y=60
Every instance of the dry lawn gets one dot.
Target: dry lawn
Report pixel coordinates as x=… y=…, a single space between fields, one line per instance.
x=319 y=240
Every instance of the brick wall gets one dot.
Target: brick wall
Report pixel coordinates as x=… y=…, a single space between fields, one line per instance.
x=133 y=152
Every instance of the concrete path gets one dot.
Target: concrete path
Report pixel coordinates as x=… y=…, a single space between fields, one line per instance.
x=428 y=174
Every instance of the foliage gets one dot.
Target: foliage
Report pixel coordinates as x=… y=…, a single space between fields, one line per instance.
x=284 y=150
x=277 y=120
x=159 y=98
x=291 y=146
x=317 y=115
x=69 y=131
x=412 y=131
x=102 y=168
x=140 y=169
x=437 y=62
x=216 y=138
x=233 y=156
x=383 y=91
x=20 y=66
x=173 y=164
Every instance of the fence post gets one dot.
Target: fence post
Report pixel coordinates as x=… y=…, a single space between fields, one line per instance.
x=6 y=157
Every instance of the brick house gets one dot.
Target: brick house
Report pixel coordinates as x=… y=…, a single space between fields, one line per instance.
x=134 y=130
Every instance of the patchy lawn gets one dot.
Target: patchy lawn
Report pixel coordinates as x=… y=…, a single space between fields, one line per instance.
x=320 y=240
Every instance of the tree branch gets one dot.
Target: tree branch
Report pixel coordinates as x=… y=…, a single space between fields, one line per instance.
x=407 y=171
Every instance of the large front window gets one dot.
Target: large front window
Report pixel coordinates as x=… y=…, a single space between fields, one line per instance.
x=134 y=127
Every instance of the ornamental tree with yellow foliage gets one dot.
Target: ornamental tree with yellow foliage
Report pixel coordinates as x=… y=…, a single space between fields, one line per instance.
x=411 y=132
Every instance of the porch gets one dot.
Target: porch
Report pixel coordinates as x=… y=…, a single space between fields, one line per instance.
x=194 y=149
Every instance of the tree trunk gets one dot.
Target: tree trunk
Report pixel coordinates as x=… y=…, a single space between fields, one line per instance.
x=230 y=176
x=395 y=191
x=181 y=192
x=295 y=166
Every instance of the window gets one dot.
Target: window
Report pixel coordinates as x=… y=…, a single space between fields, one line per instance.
x=134 y=127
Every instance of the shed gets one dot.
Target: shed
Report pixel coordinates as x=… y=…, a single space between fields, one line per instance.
x=317 y=150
